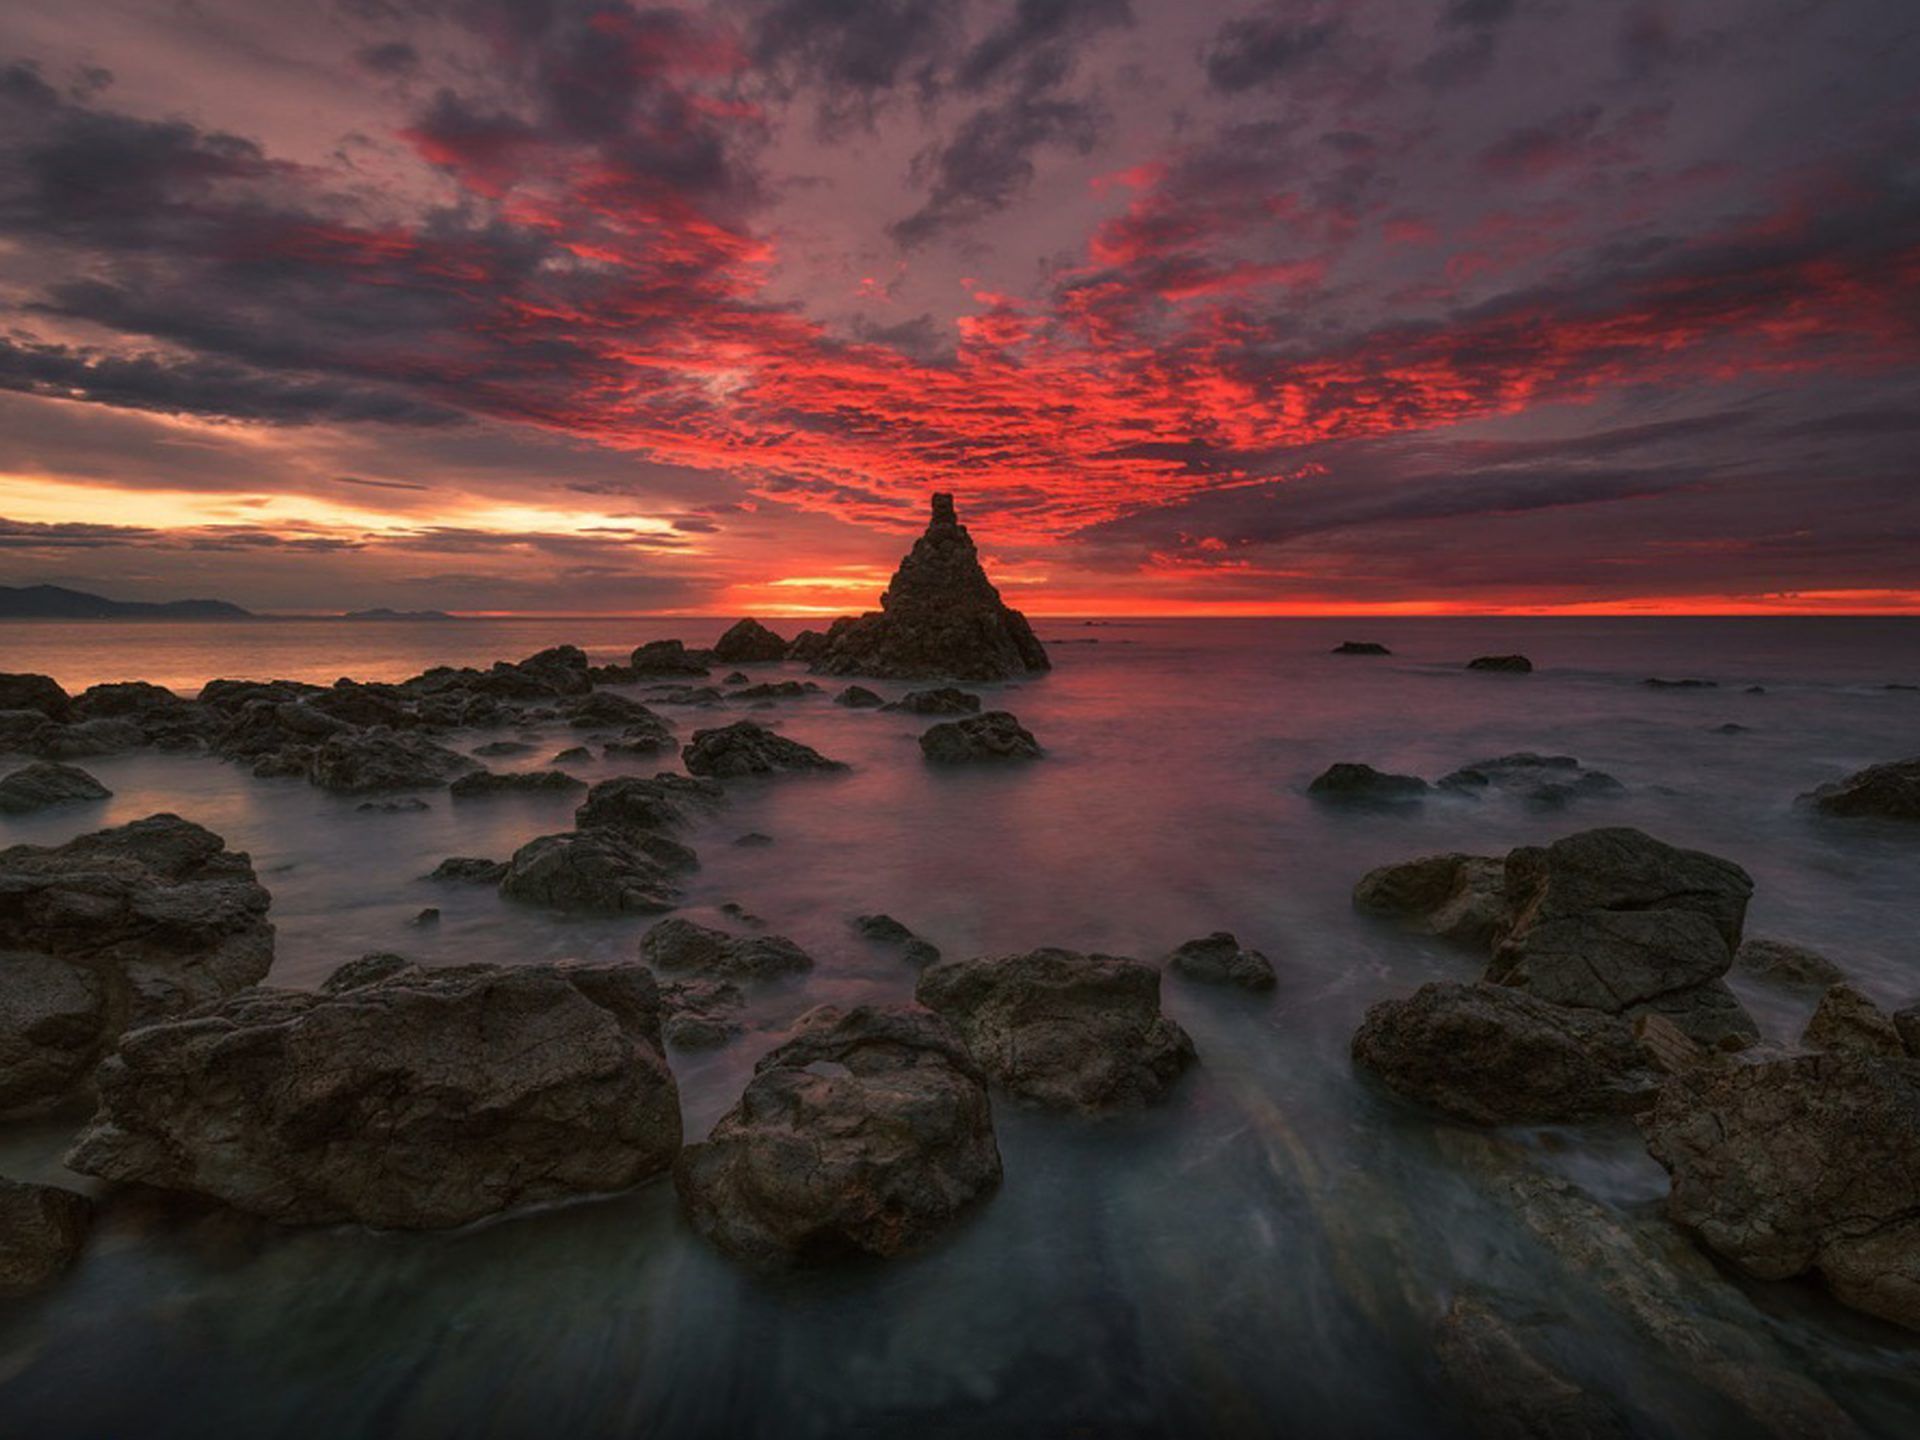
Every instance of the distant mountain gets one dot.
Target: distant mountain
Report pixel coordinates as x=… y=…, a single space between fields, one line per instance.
x=383 y=613
x=55 y=602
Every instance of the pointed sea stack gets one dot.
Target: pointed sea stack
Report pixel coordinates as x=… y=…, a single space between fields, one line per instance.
x=941 y=616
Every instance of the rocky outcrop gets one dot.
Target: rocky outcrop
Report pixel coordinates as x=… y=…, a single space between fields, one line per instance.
x=1846 y=1020
x=45 y=785
x=382 y=759
x=1062 y=1030
x=604 y=710
x=1503 y=664
x=1220 y=959
x=1351 y=783
x=1782 y=963
x=1802 y=1165
x=470 y=870
x=487 y=784
x=41 y=1231
x=631 y=802
x=667 y=657
x=744 y=748
x=598 y=870
x=940 y=616
x=945 y=700
x=1455 y=897
x=409 y=1099
x=808 y=646
x=1884 y=792
x=994 y=736
x=119 y=928
x=40 y=693
x=867 y=1134
x=858 y=697
x=1494 y=1056
x=164 y=719
x=748 y=642
x=1361 y=647
x=679 y=946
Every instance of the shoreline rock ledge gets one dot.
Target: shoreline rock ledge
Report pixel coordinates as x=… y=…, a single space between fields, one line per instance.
x=940 y=616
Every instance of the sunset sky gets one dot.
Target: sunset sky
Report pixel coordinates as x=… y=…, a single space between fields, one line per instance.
x=577 y=305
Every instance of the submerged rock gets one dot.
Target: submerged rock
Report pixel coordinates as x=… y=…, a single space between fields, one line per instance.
x=1655 y=682
x=1510 y=1390
x=1782 y=963
x=777 y=690
x=42 y=786
x=1354 y=783
x=41 y=1231
x=1802 y=1165
x=1456 y=897
x=1494 y=1056
x=382 y=759
x=419 y=1099
x=1220 y=959
x=1545 y=781
x=1361 y=647
x=1063 y=1030
x=744 y=748
x=868 y=1133
x=503 y=747
x=1885 y=792
x=939 y=616
x=994 y=736
x=470 y=870
x=407 y=805
x=118 y=928
x=944 y=701
x=858 y=697
x=598 y=870
x=1846 y=1020
x=1505 y=664
x=679 y=946
x=486 y=784
x=885 y=930
x=749 y=642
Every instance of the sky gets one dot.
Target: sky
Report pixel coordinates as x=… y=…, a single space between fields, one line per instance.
x=580 y=306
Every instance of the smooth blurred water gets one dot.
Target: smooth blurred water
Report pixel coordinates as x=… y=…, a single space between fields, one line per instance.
x=1265 y=1255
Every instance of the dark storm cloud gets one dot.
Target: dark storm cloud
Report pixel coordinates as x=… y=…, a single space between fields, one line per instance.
x=1468 y=33
x=1034 y=33
x=395 y=57
x=853 y=54
x=1262 y=49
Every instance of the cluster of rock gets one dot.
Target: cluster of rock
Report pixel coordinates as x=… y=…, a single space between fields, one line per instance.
x=1545 y=782
x=617 y=858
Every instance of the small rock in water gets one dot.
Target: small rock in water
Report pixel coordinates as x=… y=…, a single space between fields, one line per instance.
x=630 y=802
x=1220 y=959
x=1786 y=964
x=598 y=870
x=744 y=748
x=1354 y=783
x=736 y=677
x=769 y=690
x=749 y=642
x=701 y=1014
x=734 y=910
x=469 y=870
x=1732 y=727
x=428 y=916
x=944 y=701
x=1456 y=897
x=994 y=736
x=502 y=747
x=42 y=785
x=572 y=755
x=753 y=838
x=407 y=805
x=1885 y=792
x=487 y=784
x=1505 y=664
x=1847 y=1020
x=883 y=928
x=1657 y=683
x=680 y=946
x=858 y=697
x=41 y=1231
x=1361 y=647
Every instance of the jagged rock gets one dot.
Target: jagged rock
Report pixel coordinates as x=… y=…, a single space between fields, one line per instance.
x=382 y=759
x=430 y=915
x=470 y=870
x=1361 y=647
x=748 y=642
x=945 y=700
x=604 y=710
x=1786 y=964
x=667 y=657
x=1504 y=664
x=994 y=736
x=1063 y=1030
x=701 y=1014
x=1456 y=897
x=1886 y=792
x=420 y=1099
x=598 y=870
x=1668 y=1048
x=1710 y=1014
x=89 y=737
x=1548 y=782
x=868 y=1133
x=858 y=697
x=163 y=718
x=41 y=786
x=679 y=946
x=744 y=748
x=121 y=927
x=939 y=616
x=1798 y=1165
x=41 y=1231
x=630 y=802
x=808 y=646
x=1353 y=783
x=1847 y=1020
x=486 y=784
x=778 y=690
x=1494 y=1056
x=42 y=693
x=1219 y=959
x=1509 y=1389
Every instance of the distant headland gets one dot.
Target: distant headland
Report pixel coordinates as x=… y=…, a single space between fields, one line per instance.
x=56 y=602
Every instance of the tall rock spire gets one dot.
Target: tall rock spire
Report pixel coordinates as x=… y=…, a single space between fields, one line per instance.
x=940 y=616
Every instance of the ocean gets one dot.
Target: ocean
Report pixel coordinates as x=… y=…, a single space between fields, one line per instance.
x=1267 y=1254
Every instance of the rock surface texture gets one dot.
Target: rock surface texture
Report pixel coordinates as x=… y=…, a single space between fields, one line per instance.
x=681 y=947
x=1456 y=897
x=994 y=736
x=1220 y=959
x=1885 y=792
x=599 y=870
x=744 y=748
x=43 y=785
x=41 y=1231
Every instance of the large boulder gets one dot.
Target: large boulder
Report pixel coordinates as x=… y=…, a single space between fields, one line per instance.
x=118 y=928
x=407 y=1098
x=1494 y=1056
x=1456 y=897
x=44 y=785
x=1220 y=959
x=1886 y=792
x=359 y=761
x=599 y=871
x=666 y=657
x=1062 y=1030
x=41 y=1231
x=1800 y=1165
x=867 y=1134
x=749 y=642
x=20 y=691
x=989 y=738
x=679 y=946
x=744 y=748
x=632 y=802
x=940 y=616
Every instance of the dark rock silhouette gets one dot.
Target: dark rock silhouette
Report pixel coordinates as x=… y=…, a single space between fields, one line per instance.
x=1352 y=783
x=994 y=736
x=744 y=748
x=34 y=692
x=1456 y=897
x=940 y=616
x=858 y=697
x=1886 y=792
x=42 y=785
x=749 y=642
x=1220 y=959
x=484 y=784
x=1361 y=647
x=944 y=701
x=598 y=870
x=667 y=657
x=41 y=1231
x=1505 y=664
x=632 y=802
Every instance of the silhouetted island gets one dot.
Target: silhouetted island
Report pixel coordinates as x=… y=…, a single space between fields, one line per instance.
x=56 y=602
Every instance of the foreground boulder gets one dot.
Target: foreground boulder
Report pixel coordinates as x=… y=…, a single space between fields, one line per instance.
x=41 y=1231
x=381 y=759
x=867 y=1134
x=749 y=642
x=940 y=616
x=1886 y=792
x=681 y=947
x=600 y=870
x=744 y=748
x=1802 y=1165
x=1062 y=1030
x=1220 y=959
x=413 y=1099
x=118 y=928
x=1494 y=1056
x=994 y=736
x=1456 y=897
x=45 y=785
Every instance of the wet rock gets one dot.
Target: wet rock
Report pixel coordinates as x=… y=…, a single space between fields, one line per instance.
x=1710 y=1014
x=631 y=802
x=701 y=1014
x=42 y=786
x=89 y=737
x=1361 y=647
x=1732 y=727
x=382 y=759
x=1658 y=684
x=23 y=732
x=858 y=697
x=607 y=871
x=1846 y=1020
x=744 y=748
x=748 y=642
x=1062 y=1030
x=1494 y=1056
x=429 y=916
x=488 y=784
x=421 y=1099
x=945 y=700
x=1782 y=963
x=883 y=928
x=1906 y=1024
x=40 y=693
x=1456 y=897
x=1350 y=783
x=734 y=677
x=667 y=657
x=868 y=1133
x=41 y=1231
x=940 y=616
x=778 y=690
x=1885 y=792
x=1504 y=664
x=1510 y=1390
x=470 y=870
x=1801 y=1165
x=679 y=946
x=1667 y=1047
x=409 y=805
x=994 y=736
x=920 y=953
x=164 y=719
x=121 y=927
x=1220 y=959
